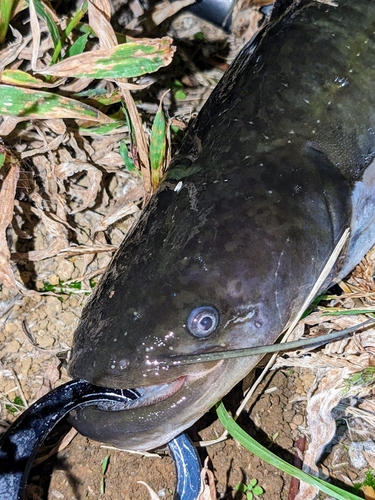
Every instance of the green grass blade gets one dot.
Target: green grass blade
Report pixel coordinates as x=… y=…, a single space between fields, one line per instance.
x=78 y=46
x=334 y=311
x=71 y=25
x=126 y=158
x=6 y=7
x=260 y=451
x=2 y=158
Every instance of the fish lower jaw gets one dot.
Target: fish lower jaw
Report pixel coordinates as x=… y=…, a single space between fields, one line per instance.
x=152 y=394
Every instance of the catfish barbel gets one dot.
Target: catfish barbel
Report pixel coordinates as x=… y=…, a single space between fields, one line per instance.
x=279 y=162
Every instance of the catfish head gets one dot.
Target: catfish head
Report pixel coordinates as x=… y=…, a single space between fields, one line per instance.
x=220 y=260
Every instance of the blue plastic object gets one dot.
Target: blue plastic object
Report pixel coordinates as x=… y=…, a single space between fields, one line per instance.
x=20 y=443
x=188 y=468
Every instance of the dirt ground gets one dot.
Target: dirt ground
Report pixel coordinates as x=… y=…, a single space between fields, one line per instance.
x=36 y=333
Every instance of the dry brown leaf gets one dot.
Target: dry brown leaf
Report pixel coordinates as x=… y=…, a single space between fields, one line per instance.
x=11 y=52
x=245 y=23
x=45 y=45
x=141 y=141
x=86 y=249
x=152 y=493
x=9 y=175
x=35 y=30
x=99 y=12
x=77 y=85
x=166 y=9
x=57 y=235
x=369 y=492
x=120 y=211
x=52 y=145
x=103 y=147
x=88 y=194
x=122 y=207
x=8 y=124
x=51 y=376
x=362 y=279
x=325 y=395
x=110 y=162
x=105 y=6
x=208 y=490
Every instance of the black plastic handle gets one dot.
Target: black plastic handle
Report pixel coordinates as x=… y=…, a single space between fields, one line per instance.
x=217 y=12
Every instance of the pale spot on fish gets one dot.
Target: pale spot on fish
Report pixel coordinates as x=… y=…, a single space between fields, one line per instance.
x=123 y=363
x=230 y=246
x=248 y=316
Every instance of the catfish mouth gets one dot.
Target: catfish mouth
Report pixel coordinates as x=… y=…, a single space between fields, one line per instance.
x=153 y=394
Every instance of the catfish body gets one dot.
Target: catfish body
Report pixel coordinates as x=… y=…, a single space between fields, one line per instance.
x=279 y=162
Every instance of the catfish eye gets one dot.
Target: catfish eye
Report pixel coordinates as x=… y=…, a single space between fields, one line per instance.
x=203 y=321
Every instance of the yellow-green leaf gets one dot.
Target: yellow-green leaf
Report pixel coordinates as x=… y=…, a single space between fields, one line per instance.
x=23 y=79
x=6 y=7
x=114 y=127
x=158 y=146
x=123 y=61
x=29 y=104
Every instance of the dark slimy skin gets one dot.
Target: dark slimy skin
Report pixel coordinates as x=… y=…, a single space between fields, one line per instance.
x=279 y=162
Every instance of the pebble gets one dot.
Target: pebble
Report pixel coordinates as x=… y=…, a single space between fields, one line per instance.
x=298 y=419
x=57 y=494
x=53 y=306
x=288 y=416
x=72 y=302
x=10 y=328
x=67 y=318
x=11 y=348
x=65 y=269
x=356 y=450
x=54 y=279
x=46 y=341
